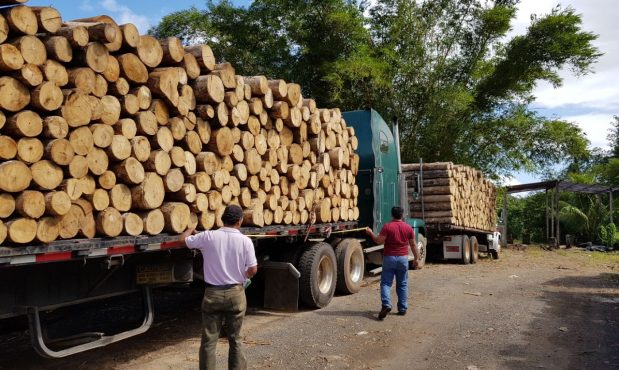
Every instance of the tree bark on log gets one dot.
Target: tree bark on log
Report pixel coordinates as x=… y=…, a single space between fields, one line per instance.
x=21 y=230
x=149 y=51
x=14 y=96
x=59 y=49
x=109 y=222
x=21 y=19
x=176 y=216
x=204 y=56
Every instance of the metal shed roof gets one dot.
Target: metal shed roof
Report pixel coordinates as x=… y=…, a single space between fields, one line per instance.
x=563 y=186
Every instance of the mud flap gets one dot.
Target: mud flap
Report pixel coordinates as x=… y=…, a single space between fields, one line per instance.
x=281 y=291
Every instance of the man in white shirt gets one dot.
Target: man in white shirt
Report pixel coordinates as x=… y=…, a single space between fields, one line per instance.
x=229 y=260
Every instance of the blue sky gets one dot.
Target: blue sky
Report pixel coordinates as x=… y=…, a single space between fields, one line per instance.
x=589 y=102
x=143 y=14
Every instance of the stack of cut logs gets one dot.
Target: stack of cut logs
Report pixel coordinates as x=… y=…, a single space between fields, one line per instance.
x=453 y=194
x=104 y=132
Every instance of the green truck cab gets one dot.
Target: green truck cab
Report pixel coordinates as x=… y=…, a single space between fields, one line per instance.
x=380 y=181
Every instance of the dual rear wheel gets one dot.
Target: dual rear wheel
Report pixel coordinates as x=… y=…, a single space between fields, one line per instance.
x=470 y=250
x=325 y=270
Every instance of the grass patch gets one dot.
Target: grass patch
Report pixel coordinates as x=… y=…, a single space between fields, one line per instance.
x=610 y=259
x=534 y=251
x=584 y=257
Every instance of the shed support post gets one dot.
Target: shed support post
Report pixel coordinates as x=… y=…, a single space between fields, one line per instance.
x=504 y=237
x=547 y=220
x=610 y=205
x=557 y=213
x=552 y=214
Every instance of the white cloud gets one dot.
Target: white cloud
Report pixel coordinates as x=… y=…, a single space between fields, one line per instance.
x=508 y=181
x=595 y=97
x=123 y=14
x=505 y=181
x=86 y=6
x=598 y=91
x=525 y=9
x=595 y=127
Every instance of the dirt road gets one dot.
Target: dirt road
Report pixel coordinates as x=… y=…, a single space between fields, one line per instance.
x=530 y=309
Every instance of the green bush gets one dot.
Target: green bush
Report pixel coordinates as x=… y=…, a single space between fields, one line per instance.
x=608 y=234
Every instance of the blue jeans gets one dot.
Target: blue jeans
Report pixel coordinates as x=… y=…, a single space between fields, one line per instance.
x=394 y=266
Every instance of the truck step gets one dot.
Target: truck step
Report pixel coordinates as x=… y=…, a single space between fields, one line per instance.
x=376 y=271
x=373 y=249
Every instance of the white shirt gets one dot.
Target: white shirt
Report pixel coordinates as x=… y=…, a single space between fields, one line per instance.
x=227 y=254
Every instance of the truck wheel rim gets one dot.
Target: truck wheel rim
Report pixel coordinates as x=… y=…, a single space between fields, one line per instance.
x=422 y=252
x=325 y=274
x=356 y=266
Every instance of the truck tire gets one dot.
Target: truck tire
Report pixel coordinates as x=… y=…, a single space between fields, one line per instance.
x=350 y=266
x=318 y=270
x=422 y=246
x=474 y=249
x=466 y=250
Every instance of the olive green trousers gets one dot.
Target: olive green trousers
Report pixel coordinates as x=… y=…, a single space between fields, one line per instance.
x=223 y=308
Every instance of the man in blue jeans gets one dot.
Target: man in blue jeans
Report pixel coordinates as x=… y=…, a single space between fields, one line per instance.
x=396 y=236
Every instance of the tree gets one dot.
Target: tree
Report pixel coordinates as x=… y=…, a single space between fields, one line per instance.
x=463 y=93
x=582 y=214
x=608 y=234
x=444 y=68
x=613 y=137
x=526 y=215
x=323 y=45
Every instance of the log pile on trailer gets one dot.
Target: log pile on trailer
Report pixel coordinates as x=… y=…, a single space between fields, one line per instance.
x=106 y=132
x=453 y=194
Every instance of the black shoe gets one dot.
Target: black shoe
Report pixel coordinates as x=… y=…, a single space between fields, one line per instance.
x=402 y=313
x=383 y=312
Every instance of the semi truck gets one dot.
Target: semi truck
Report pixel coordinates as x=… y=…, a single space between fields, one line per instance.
x=301 y=263
x=384 y=182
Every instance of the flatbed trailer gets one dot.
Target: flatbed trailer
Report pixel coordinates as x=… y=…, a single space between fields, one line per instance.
x=299 y=264
x=40 y=278
x=64 y=250
x=448 y=241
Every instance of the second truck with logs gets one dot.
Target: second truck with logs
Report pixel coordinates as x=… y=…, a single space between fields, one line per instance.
x=452 y=208
x=458 y=207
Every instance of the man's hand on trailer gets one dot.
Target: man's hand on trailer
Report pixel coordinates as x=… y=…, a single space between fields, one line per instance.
x=187 y=233
x=378 y=239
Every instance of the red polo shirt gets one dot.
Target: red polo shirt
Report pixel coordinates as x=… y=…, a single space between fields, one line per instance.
x=397 y=233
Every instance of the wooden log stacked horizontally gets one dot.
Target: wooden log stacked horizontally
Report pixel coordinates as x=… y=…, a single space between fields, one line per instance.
x=453 y=194
x=104 y=132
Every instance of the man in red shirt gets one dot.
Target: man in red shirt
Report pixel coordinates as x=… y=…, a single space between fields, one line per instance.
x=396 y=236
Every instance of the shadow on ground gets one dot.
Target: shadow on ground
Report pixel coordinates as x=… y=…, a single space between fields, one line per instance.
x=580 y=321
x=174 y=308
